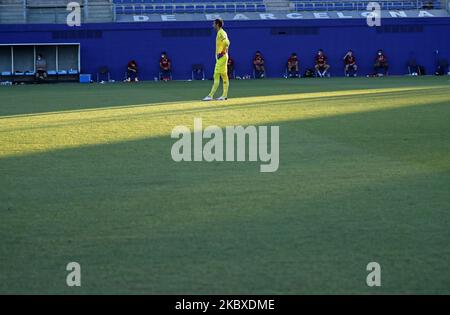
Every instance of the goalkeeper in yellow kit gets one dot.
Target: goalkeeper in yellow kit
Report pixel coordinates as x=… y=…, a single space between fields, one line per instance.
x=222 y=44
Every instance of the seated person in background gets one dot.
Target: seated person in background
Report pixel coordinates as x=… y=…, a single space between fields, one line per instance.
x=413 y=67
x=132 y=71
x=442 y=67
x=381 y=63
x=292 y=66
x=258 y=64
x=321 y=66
x=165 y=67
x=41 y=67
x=351 y=68
x=230 y=67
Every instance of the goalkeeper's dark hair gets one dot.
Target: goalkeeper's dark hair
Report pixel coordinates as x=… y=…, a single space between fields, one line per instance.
x=219 y=22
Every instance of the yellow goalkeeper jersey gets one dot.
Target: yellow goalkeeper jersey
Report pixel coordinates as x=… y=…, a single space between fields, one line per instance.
x=222 y=42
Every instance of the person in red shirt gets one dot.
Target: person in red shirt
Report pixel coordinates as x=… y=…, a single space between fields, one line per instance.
x=165 y=66
x=258 y=64
x=351 y=68
x=132 y=71
x=293 y=66
x=321 y=66
x=381 y=63
x=230 y=67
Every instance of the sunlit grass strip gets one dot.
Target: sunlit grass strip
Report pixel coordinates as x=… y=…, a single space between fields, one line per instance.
x=175 y=106
x=27 y=134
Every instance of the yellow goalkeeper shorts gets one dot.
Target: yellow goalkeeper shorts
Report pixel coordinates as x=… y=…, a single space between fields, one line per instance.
x=221 y=65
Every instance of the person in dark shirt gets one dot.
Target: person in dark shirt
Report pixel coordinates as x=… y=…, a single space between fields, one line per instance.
x=230 y=67
x=321 y=66
x=350 y=66
x=132 y=71
x=293 y=66
x=258 y=64
x=165 y=66
x=41 y=67
x=381 y=63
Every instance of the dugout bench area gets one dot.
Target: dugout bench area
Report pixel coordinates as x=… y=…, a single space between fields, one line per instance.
x=18 y=62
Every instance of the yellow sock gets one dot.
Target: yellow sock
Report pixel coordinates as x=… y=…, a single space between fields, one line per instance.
x=226 y=84
x=215 y=85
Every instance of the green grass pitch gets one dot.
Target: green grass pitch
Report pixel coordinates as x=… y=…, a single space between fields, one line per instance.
x=86 y=175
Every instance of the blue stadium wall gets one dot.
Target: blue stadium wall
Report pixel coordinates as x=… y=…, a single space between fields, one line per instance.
x=190 y=43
